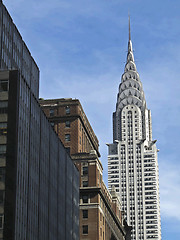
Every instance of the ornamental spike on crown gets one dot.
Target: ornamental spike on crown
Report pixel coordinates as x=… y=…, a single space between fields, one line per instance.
x=130 y=55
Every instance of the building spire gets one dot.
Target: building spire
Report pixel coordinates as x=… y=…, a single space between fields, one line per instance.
x=130 y=91
x=129 y=28
x=129 y=42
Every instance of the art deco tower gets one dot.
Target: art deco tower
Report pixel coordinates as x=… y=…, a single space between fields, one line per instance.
x=132 y=159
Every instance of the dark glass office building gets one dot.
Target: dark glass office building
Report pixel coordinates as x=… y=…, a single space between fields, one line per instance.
x=39 y=184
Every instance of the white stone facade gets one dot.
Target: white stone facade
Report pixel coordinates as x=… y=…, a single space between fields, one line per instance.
x=132 y=159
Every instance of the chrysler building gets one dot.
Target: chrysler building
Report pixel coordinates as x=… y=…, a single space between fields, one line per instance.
x=132 y=157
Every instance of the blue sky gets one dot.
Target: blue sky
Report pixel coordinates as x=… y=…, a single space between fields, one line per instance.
x=80 y=47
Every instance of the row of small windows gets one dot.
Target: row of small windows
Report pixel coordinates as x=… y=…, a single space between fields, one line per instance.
x=52 y=111
x=149 y=156
x=67 y=124
x=113 y=158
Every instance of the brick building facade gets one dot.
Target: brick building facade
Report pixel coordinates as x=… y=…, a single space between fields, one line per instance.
x=71 y=124
x=101 y=217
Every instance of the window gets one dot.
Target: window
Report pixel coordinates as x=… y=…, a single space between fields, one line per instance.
x=67 y=123
x=3 y=106
x=85 y=229
x=85 y=199
x=67 y=110
x=67 y=137
x=68 y=149
x=85 y=170
x=1 y=196
x=85 y=213
x=2 y=174
x=3 y=129
x=52 y=124
x=2 y=148
x=51 y=112
x=85 y=183
x=101 y=232
x=3 y=85
x=1 y=221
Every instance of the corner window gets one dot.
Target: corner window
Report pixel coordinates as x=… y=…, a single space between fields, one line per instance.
x=85 y=213
x=67 y=110
x=67 y=138
x=67 y=124
x=85 y=229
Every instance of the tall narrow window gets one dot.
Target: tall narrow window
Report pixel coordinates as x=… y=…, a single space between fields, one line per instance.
x=1 y=196
x=67 y=123
x=67 y=110
x=2 y=174
x=85 y=170
x=85 y=229
x=67 y=137
x=1 y=221
x=51 y=112
x=85 y=213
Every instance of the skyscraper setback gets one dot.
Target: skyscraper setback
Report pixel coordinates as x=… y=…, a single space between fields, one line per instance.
x=132 y=158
